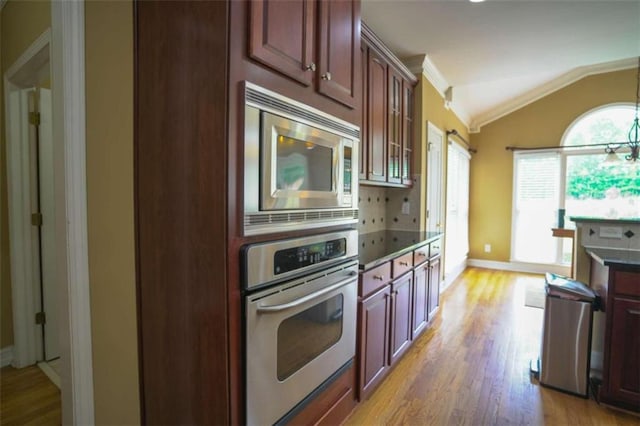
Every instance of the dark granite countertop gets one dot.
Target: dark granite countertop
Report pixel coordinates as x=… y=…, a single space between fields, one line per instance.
x=615 y=257
x=375 y=248
x=604 y=219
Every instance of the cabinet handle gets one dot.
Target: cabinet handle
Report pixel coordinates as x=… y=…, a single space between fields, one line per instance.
x=634 y=311
x=404 y=263
x=421 y=254
x=311 y=67
x=378 y=277
x=326 y=76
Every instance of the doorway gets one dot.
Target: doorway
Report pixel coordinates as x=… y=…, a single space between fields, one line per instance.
x=435 y=216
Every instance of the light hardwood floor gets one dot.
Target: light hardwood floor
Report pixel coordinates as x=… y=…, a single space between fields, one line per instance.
x=472 y=365
x=28 y=397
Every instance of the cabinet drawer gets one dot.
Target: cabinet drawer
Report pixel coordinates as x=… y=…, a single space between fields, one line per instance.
x=373 y=279
x=627 y=283
x=420 y=255
x=435 y=248
x=402 y=264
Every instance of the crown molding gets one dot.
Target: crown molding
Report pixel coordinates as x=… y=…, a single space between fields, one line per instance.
x=421 y=64
x=548 y=88
x=372 y=40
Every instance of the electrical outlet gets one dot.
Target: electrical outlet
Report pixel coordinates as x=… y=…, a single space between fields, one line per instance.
x=487 y=248
x=405 y=207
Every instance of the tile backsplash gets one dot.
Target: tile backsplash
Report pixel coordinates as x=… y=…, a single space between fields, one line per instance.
x=619 y=235
x=381 y=208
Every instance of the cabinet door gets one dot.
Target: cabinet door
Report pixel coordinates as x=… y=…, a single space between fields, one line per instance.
x=394 y=127
x=434 y=286
x=282 y=37
x=401 y=298
x=377 y=117
x=364 y=142
x=624 y=362
x=420 y=300
x=407 y=133
x=374 y=339
x=339 y=50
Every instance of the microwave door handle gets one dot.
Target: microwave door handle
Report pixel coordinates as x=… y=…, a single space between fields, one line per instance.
x=300 y=301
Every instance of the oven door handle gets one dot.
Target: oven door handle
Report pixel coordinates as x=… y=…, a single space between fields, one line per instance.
x=300 y=301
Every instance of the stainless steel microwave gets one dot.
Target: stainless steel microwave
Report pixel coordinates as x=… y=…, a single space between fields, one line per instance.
x=300 y=165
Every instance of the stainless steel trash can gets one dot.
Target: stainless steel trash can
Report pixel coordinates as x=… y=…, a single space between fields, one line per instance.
x=566 y=340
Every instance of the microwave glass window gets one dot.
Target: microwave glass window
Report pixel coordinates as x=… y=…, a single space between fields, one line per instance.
x=303 y=165
x=302 y=337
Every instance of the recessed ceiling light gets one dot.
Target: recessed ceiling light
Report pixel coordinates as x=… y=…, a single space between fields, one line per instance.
x=476 y=1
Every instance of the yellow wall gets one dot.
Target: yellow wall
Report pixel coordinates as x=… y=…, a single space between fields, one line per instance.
x=109 y=83
x=430 y=108
x=541 y=123
x=22 y=22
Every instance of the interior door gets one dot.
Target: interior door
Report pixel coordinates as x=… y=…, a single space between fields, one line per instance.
x=43 y=203
x=435 y=214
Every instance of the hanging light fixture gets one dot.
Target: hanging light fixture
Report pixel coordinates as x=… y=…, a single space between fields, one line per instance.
x=611 y=157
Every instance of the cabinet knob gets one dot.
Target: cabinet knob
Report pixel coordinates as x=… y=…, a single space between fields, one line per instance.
x=378 y=277
x=326 y=76
x=404 y=263
x=311 y=67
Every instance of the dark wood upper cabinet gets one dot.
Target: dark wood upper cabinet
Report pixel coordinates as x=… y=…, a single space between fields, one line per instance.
x=310 y=42
x=377 y=119
x=339 y=50
x=364 y=151
x=407 y=133
x=282 y=37
x=394 y=127
x=388 y=101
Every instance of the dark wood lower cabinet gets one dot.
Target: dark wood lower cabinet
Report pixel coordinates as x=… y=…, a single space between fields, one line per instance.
x=373 y=339
x=420 y=300
x=434 y=285
x=621 y=369
x=401 y=307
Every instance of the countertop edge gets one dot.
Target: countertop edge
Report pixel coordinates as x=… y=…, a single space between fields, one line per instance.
x=380 y=261
x=608 y=261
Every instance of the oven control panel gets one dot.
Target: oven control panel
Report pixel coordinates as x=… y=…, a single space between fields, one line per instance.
x=270 y=262
x=302 y=256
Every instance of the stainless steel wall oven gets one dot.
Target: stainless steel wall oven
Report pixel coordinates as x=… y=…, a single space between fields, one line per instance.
x=300 y=319
x=300 y=165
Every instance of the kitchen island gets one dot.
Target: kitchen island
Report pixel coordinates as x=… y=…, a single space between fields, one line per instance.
x=398 y=296
x=609 y=252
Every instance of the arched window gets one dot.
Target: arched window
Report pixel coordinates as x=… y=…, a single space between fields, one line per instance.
x=593 y=186
x=577 y=181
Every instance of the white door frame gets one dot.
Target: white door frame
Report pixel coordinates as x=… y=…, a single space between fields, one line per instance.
x=63 y=45
x=432 y=129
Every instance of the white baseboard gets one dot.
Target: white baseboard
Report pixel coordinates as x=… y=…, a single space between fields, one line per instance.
x=535 y=268
x=6 y=356
x=50 y=372
x=450 y=277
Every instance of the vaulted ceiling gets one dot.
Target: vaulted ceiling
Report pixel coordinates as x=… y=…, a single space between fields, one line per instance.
x=499 y=55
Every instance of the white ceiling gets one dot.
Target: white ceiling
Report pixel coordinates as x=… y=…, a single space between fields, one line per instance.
x=502 y=54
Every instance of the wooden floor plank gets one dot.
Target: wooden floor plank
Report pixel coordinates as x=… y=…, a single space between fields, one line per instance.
x=471 y=367
x=28 y=397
